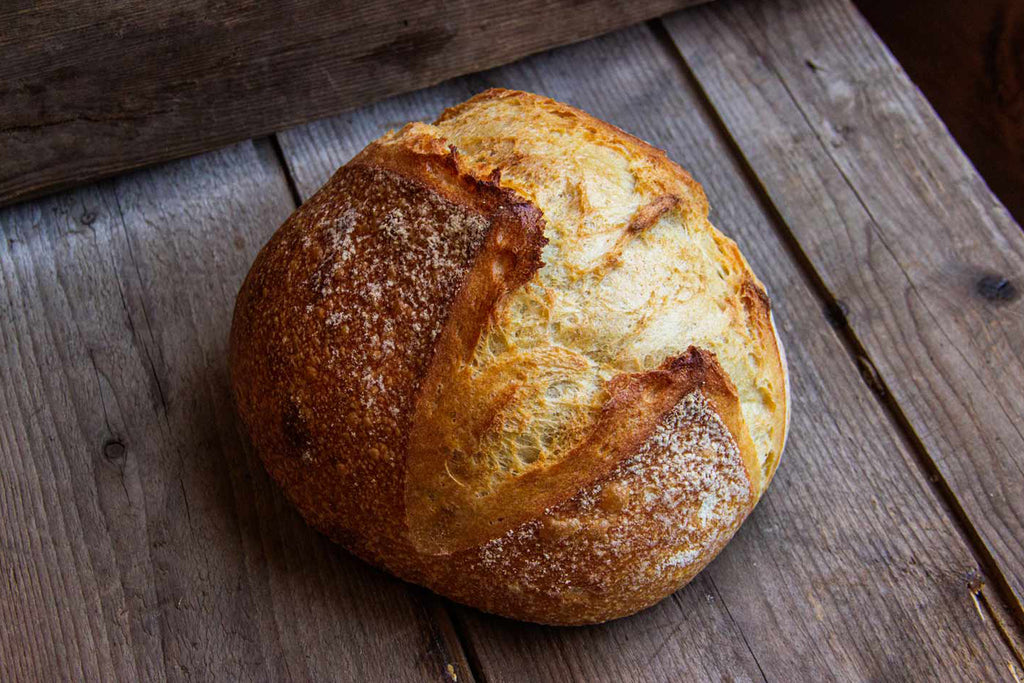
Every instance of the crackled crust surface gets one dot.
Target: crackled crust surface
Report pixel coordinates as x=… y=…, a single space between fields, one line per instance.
x=506 y=356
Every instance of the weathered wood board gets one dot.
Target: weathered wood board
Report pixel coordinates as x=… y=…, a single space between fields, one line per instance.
x=89 y=89
x=916 y=256
x=142 y=540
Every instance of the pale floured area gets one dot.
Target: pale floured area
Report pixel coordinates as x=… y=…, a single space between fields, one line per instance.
x=634 y=273
x=669 y=508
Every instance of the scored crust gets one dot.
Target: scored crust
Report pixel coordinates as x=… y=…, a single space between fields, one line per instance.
x=637 y=532
x=624 y=298
x=386 y=361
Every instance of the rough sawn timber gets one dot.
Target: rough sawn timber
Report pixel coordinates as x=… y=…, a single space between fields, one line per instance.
x=917 y=258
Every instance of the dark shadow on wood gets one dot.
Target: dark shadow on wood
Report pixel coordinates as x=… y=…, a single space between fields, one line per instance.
x=968 y=60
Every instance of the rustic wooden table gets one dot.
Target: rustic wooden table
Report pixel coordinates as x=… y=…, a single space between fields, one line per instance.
x=142 y=540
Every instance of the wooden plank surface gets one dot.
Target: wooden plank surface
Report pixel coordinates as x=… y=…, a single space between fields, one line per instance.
x=968 y=59
x=850 y=569
x=920 y=261
x=139 y=540
x=90 y=89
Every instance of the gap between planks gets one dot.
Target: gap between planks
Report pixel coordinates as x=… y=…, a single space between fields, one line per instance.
x=858 y=354
x=286 y=172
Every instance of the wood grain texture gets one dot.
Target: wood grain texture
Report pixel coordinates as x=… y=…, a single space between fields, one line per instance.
x=926 y=267
x=968 y=59
x=850 y=568
x=140 y=541
x=90 y=89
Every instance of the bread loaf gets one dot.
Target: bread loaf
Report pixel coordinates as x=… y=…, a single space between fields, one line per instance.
x=507 y=357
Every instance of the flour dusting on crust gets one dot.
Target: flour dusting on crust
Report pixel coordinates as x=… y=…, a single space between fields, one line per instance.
x=665 y=512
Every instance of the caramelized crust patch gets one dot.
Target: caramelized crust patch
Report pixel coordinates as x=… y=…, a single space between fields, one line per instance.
x=353 y=303
x=648 y=214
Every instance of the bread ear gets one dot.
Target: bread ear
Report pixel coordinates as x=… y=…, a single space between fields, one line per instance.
x=444 y=514
x=637 y=532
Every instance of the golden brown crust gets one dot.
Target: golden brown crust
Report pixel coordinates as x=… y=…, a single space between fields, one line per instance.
x=552 y=153
x=385 y=358
x=637 y=147
x=635 y=533
x=758 y=307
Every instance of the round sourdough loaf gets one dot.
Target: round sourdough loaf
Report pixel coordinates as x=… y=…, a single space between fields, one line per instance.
x=507 y=357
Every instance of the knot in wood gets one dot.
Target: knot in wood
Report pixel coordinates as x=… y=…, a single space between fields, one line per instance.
x=997 y=289
x=114 y=451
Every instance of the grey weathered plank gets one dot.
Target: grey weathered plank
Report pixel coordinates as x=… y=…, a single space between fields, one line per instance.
x=139 y=539
x=90 y=89
x=896 y=223
x=850 y=568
